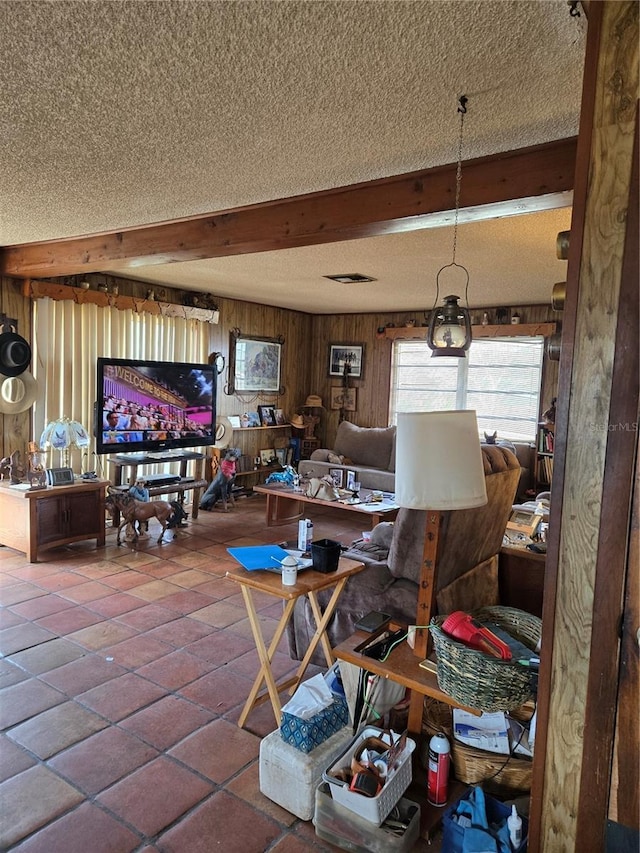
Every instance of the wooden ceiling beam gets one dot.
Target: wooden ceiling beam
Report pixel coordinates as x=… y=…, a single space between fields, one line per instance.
x=506 y=184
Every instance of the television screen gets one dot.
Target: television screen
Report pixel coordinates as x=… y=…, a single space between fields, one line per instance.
x=147 y=406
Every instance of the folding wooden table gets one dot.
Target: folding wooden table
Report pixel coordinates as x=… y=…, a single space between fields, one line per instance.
x=309 y=584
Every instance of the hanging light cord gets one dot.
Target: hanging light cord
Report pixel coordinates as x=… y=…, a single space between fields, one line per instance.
x=462 y=109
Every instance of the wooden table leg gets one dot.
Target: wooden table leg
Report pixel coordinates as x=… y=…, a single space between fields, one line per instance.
x=322 y=620
x=265 y=655
x=416 y=705
x=277 y=512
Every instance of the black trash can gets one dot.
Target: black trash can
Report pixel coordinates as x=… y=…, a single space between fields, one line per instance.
x=325 y=554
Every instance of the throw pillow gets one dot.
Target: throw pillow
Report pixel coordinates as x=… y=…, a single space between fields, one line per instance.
x=368 y=446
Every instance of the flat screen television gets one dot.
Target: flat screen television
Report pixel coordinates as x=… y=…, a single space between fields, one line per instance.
x=154 y=406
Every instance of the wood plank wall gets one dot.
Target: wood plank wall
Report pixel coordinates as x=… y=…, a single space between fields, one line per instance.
x=373 y=388
x=304 y=355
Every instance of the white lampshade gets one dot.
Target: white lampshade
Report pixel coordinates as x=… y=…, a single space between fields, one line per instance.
x=439 y=461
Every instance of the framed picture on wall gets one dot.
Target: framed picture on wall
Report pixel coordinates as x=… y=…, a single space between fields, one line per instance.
x=254 y=363
x=344 y=398
x=346 y=357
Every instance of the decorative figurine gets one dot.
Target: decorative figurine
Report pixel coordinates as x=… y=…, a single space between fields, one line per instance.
x=37 y=470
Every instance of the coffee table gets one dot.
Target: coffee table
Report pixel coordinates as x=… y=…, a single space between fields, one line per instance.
x=308 y=583
x=285 y=505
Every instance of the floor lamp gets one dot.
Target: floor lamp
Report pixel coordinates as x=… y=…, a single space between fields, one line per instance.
x=438 y=467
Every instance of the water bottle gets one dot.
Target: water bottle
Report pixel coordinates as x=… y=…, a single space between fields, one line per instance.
x=438 y=772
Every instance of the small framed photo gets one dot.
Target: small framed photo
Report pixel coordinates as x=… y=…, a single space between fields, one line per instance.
x=234 y=420
x=524 y=520
x=344 y=398
x=351 y=479
x=267 y=457
x=280 y=418
x=267 y=415
x=337 y=475
x=346 y=359
x=281 y=455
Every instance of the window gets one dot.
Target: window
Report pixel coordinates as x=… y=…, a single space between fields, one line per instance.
x=500 y=378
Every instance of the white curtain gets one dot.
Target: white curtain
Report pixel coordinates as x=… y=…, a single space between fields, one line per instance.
x=68 y=339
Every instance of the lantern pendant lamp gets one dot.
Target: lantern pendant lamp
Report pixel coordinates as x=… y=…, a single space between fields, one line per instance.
x=450 y=326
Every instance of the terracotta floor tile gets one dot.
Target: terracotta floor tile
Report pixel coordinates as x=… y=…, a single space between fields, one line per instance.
x=146 y=617
x=102 y=634
x=44 y=605
x=192 y=560
x=15 y=592
x=154 y=590
x=83 y=674
x=249 y=665
x=131 y=559
x=222 y=821
x=219 y=690
x=86 y=592
x=13 y=759
x=21 y=637
x=166 y=721
x=56 y=729
x=220 y=614
x=219 y=646
x=8 y=619
x=292 y=843
x=58 y=581
x=21 y=701
x=85 y=829
x=190 y=578
x=181 y=631
x=68 y=621
x=125 y=580
x=33 y=571
x=175 y=670
x=185 y=601
x=10 y=674
x=115 y=604
x=121 y=697
x=119 y=754
x=218 y=751
x=267 y=627
x=156 y=795
x=48 y=796
x=246 y=785
x=137 y=651
x=98 y=570
x=160 y=569
x=48 y=656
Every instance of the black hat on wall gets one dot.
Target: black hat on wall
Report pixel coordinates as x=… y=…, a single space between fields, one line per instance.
x=15 y=354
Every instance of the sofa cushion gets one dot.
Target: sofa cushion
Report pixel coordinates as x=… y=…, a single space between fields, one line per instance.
x=369 y=446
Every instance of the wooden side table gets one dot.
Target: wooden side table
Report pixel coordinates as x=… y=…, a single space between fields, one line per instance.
x=309 y=584
x=32 y=520
x=521 y=579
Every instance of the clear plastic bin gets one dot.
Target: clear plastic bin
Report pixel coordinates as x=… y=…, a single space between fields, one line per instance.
x=340 y=826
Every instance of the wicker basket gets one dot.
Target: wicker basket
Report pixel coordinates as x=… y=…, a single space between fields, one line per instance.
x=482 y=681
x=503 y=775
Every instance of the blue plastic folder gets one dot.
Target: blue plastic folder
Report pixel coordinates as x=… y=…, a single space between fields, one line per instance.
x=254 y=557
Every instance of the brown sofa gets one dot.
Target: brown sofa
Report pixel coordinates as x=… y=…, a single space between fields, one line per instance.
x=467 y=575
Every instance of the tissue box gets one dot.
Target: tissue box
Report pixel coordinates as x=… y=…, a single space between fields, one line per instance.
x=306 y=735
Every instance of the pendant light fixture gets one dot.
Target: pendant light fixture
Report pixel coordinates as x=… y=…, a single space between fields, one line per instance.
x=450 y=326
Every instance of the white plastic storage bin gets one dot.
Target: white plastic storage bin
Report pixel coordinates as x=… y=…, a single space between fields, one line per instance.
x=374 y=809
x=290 y=777
x=346 y=830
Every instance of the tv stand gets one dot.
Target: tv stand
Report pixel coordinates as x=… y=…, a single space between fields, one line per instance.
x=194 y=483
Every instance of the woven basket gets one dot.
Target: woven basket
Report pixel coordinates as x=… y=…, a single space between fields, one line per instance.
x=504 y=775
x=482 y=681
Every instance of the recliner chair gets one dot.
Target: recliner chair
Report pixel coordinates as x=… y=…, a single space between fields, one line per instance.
x=467 y=569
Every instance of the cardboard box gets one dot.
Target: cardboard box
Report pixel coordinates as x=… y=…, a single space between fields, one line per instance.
x=306 y=735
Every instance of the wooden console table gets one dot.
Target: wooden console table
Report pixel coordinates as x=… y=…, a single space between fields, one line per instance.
x=32 y=520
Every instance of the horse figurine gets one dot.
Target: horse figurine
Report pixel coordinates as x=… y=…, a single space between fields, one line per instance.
x=11 y=467
x=170 y=514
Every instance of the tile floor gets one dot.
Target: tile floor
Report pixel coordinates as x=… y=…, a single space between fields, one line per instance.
x=122 y=675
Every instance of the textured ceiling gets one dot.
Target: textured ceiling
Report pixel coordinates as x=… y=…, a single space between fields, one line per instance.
x=118 y=114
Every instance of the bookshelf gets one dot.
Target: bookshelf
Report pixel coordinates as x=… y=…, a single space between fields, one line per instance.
x=544 y=459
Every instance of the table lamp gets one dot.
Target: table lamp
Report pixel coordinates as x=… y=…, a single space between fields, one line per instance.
x=438 y=467
x=64 y=434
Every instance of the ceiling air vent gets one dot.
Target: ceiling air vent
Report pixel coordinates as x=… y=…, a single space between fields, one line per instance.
x=350 y=278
